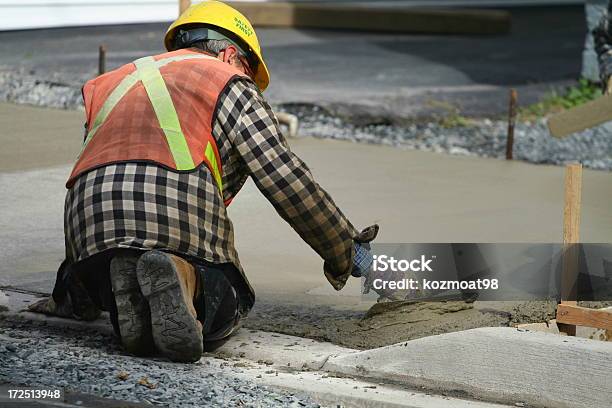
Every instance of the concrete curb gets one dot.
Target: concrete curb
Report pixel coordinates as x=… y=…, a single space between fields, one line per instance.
x=498 y=364
x=280 y=350
x=348 y=392
x=370 y=18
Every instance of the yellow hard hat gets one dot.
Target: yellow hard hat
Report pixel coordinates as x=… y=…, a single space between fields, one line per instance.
x=215 y=14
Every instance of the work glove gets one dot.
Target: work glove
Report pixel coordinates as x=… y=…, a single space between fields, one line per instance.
x=362 y=260
x=362 y=268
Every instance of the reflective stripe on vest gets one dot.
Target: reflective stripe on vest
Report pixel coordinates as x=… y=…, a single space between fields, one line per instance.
x=147 y=71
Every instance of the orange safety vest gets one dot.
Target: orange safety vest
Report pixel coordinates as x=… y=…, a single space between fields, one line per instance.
x=157 y=109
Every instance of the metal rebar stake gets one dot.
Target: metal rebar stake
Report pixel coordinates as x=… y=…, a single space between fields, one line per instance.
x=101 y=59
x=511 y=123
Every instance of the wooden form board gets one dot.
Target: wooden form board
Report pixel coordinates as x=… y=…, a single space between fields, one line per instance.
x=347 y=16
x=582 y=316
x=581 y=117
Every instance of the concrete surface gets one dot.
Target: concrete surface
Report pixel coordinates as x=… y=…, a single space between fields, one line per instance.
x=38 y=137
x=506 y=364
x=393 y=75
x=280 y=350
x=348 y=392
x=415 y=196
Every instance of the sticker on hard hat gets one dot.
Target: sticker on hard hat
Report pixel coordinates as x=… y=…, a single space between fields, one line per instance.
x=243 y=27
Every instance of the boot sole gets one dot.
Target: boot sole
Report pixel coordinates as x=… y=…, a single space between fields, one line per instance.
x=132 y=310
x=176 y=332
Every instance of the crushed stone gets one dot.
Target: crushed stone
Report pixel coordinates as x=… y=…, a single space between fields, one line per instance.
x=91 y=363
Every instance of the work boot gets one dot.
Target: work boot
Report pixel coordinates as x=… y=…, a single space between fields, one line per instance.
x=169 y=284
x=133 y=316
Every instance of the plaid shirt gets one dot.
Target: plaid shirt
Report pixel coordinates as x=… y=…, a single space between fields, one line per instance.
x=141 y=205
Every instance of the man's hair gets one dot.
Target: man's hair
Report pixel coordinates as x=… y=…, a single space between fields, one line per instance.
x=212 y=46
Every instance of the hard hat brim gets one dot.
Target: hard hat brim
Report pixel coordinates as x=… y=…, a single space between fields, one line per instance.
x=262 y=76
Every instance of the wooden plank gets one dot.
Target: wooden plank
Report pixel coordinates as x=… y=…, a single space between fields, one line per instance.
x=581 y=117
x=582 y=316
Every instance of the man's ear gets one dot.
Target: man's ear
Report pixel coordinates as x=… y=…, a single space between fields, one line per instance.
x=229 y=54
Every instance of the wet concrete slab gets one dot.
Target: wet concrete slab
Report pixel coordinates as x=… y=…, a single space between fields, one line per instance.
x=415 y=196
x=38 y=137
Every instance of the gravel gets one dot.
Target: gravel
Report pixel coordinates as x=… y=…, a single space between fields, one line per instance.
x=91 y=363
x=485 y=138
x=29 y=87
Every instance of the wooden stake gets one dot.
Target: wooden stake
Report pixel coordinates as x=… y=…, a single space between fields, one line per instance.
x=571 y=238
x=183 y=5
x=511 y=123
x=573 y=199
x=101 y=59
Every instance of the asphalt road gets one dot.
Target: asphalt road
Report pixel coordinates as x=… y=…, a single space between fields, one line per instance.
x=397 y=75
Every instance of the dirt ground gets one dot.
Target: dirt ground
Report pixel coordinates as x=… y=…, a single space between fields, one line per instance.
x=394 y=322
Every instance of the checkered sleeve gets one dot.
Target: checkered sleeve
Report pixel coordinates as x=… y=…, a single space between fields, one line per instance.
x=284 y=179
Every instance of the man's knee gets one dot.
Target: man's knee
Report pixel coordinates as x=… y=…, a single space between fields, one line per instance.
x=217 y=305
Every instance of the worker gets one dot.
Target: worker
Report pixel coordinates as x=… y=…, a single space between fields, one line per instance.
x=602 y=35
x=170 y=140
